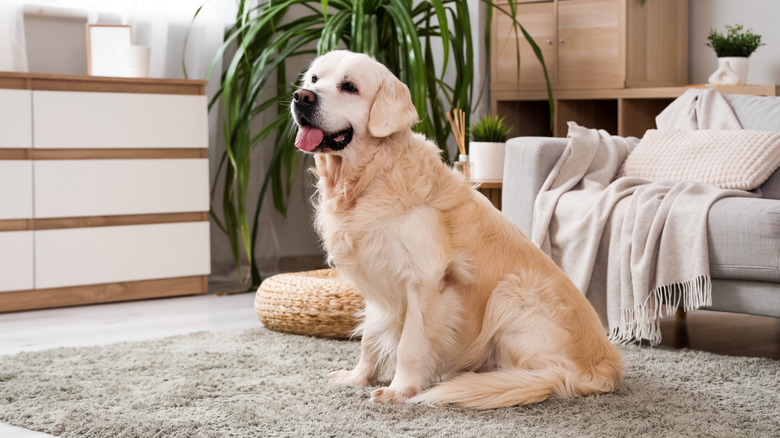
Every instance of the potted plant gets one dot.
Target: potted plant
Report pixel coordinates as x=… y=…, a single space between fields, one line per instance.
x=406 y=36
x=733 y=49
x=486 y=148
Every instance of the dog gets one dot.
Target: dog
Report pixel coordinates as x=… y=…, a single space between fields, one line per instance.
x=461 y=308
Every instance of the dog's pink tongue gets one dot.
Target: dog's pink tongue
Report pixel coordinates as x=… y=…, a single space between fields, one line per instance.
x=308 y=138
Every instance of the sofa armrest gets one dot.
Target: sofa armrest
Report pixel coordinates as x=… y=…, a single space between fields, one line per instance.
x=527 y=162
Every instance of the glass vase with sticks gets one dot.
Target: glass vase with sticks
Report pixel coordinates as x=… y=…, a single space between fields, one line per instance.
x=457 y=121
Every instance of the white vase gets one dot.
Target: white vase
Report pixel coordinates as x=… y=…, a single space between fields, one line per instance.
x=487 y=160
x=731 y=70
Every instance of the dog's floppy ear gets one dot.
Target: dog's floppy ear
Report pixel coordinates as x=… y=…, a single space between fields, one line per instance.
x=392 y=110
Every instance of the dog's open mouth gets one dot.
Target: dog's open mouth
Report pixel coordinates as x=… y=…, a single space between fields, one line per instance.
x=310 y=139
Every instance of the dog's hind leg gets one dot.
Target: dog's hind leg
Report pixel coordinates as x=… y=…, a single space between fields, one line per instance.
x=530 y=331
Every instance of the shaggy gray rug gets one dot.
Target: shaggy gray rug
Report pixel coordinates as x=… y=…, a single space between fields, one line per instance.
x=259 y=383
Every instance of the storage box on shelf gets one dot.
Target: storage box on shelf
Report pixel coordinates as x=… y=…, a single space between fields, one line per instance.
x=103 y=189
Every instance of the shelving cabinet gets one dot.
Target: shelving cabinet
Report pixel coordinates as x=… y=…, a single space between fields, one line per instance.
x=593 y=44
x=103 y=189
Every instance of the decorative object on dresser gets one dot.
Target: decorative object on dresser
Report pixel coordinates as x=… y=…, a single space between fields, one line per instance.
x=105 y=42
x=103 y=189
x=733 y=48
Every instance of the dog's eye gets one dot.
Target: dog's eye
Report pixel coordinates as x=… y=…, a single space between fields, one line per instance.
x=313 y=79
x=348 y=87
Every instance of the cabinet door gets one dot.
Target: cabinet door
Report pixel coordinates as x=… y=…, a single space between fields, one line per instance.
x=16 y=260
x=65 y=119
x=539 y=20
x=77 y=256
x=590 y=49
x=15 y=119
x=16 y=189
x=74 y=188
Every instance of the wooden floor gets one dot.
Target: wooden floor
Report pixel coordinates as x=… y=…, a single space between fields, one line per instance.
x=721 y=333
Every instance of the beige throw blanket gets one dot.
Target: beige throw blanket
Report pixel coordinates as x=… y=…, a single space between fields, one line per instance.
x=631 y=246
x=698 y=108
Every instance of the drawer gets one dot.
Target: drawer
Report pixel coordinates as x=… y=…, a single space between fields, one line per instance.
x=74 y=188
x=80 y=256
x=15 y=119
x=16 y=260
x=66 y=119
x=16 y=189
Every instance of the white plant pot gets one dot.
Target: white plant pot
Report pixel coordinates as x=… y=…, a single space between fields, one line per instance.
x=487 y=160
x=731 y=71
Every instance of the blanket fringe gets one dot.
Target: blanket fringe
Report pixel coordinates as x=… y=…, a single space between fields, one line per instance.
x=643 y=322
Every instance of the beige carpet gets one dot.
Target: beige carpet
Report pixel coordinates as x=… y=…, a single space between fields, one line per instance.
x=260 y=383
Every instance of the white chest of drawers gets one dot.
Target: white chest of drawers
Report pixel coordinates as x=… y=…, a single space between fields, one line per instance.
x=103 y=189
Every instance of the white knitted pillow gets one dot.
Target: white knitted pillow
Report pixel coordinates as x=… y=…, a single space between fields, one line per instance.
x=730 y=159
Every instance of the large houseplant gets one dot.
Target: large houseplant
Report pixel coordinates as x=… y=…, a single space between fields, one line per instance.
x=402 y=34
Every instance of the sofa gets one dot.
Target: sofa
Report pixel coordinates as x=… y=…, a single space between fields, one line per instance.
x=743 y=233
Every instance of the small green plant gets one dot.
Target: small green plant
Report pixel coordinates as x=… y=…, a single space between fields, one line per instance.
x=489 y=129
x=734 y=42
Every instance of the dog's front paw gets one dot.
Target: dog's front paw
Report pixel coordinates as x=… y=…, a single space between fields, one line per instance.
x=347 y=378
x=392 y=395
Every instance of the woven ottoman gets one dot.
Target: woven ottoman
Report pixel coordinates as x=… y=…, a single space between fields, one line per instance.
x=316 y=303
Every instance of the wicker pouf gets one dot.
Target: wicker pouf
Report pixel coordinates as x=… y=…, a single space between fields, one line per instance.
x=316 y=303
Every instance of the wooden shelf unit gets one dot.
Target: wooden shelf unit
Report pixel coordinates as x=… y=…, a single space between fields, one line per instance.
x=623 y=111
x=592 y=44
x=103 y=189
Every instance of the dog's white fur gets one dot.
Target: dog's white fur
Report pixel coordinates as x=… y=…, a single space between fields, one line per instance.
x=456 y=296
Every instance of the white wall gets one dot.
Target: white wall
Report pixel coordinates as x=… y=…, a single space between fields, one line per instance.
x=759 y=15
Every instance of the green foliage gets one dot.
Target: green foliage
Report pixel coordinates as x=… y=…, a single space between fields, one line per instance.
x=734 y=42
x=402 y=34
x=490 y=129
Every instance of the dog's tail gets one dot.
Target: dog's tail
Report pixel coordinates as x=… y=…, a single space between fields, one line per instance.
x=511 y=387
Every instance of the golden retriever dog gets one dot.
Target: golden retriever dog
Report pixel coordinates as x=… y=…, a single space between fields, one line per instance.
x=461 y=308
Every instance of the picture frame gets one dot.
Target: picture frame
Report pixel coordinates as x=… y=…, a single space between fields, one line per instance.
x=104 y=42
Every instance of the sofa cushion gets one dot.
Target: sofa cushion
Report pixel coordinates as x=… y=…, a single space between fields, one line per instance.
x=756 y=112
x=730 y=159
x=762 y=113
x=744 y=238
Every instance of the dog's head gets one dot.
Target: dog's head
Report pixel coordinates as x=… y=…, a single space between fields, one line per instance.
x=347 y=98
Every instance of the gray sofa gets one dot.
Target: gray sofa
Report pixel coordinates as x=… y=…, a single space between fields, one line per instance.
x=744 y=233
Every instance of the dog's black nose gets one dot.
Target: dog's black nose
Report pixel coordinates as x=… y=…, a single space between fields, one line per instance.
x=304 y=97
